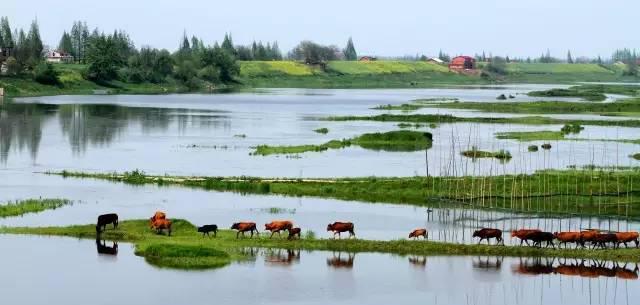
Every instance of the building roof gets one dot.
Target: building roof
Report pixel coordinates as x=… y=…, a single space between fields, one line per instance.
x=438 y=60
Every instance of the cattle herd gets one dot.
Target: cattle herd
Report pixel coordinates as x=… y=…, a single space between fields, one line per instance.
x=593 y=237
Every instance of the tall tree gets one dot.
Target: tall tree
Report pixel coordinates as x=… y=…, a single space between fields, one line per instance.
x=227 y=44
x=350 y=51
x=65 y=44
x=569 y=57
x=5 y=31
x=104 y=58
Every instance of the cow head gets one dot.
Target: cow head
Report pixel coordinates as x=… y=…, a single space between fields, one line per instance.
x=98 y=231
x=235 y=226
x=476 y=233
x=329 y=227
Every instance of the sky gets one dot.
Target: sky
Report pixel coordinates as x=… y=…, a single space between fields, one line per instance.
x=518 y=28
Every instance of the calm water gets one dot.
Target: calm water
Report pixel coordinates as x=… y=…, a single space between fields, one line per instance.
x=198 y=135
x=300 y=277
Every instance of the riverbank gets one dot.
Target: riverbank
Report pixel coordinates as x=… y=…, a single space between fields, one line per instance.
x=597 y=192
x=337 y=74
x=187 y=249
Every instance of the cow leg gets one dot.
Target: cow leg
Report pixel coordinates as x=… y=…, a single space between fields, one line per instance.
x=272 y=232
x=215 y=233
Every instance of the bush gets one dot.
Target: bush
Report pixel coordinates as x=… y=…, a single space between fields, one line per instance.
x=13 y=67
x=44 y=73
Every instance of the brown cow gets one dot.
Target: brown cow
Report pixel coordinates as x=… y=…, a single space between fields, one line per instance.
x=294 y=232
x=488 y=233
x=244 y=227
x=588 y=236
x=539 y=237
x=522 y=234
x=625 y=237
x=601 y=240
x=419 y=232
x=162 y=224
x=339 y=227
x=277 y=226
x=567 y=237
x=157 y=216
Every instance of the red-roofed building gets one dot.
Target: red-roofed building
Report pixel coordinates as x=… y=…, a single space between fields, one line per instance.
x=462 y=63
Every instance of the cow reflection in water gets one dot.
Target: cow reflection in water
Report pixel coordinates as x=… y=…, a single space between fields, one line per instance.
x=341 y=260
x=582 y=268
x=418 y=261
x=101 y=245
x=488 y=263
x=282 y=257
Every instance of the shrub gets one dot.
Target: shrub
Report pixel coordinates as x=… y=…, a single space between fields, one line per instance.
x=44 y=73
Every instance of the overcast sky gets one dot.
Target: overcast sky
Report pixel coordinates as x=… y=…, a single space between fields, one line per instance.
x=384 y=28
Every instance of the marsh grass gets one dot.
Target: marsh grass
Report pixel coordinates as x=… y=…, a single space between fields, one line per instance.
x=21 y=207
x=322 y=130
x=400 y=140
x=277 y=210
x=475 y=153
x=636 y=156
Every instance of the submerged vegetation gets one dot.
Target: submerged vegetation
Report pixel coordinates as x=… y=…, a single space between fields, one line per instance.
x=636 y=156
x=475 y=153
x=186 y=249
x=21 y=207
x=597 y=192
x=401 y=140
x=323 y=130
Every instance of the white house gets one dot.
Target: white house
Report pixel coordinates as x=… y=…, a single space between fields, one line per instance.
x=59 y=57
x=435 y=60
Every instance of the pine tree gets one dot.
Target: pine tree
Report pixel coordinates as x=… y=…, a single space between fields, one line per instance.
x=350 y=51
x=5 y=32
x=227 y=44
x=35 y=45
x=65 y=44
x=569 y=58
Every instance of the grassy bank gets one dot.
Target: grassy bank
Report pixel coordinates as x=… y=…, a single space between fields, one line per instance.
x=27 y=206
x=525 y=136
x=401 y=140
x=186 y=249
x=589 y=92
x=595 y=192
x=445 y=118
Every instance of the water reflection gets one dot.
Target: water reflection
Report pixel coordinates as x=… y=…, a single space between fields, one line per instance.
x=579 y=268
x=341 y=260
x=101 y=246
x=487 y=263
x=281 y=257
x=418 y=261
x=90 y=125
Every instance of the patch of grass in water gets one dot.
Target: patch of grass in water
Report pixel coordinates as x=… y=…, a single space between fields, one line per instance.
x=21 y=207
x=531 y=135
x=475 y=153
x=636 y=156
x=401 y=140
x=277 y=210
x=322 y=130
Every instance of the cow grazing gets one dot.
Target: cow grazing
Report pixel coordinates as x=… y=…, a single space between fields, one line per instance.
x=601 y=240
x=245 y=227
x=626 y=237
x=488 y=233
x=162 y=224
x=539 y=237
x=277 y=226
x=339 y=227
x=208 y=228
x=567 y=237
x=522 y=234
x=419 y=232
x=157 y=216
x=106 y=219
x=294 y=232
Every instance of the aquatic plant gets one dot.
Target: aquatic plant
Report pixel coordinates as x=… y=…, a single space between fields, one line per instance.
x=21 y=207
x=476 y=153
x=636 y=156
x=532 y=148
x=323 y=130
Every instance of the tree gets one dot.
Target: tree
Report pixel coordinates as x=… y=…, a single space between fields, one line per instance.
x=313 y=53
x=34 y=45
x=5 y=32
x=44 y=73
x=443 y=56
x=350 y=51
x=569 y=57
x=497 y=65
x=65 y=44
x=13 y=67
x=104 y=59
x=227 y=44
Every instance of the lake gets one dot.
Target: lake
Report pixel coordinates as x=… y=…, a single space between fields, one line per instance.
x=214 y=135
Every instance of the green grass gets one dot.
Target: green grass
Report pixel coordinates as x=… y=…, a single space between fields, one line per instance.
x=525 y=136
x=590 y=192
x=401 y=140
x=475 y=153
x=187 y=249
x=323 y=130
x=274 y=68
x=446 y=118
x=557 y=68
x=21 y=207
x=636 y=156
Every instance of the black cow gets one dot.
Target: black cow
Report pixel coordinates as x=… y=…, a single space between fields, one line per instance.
x=208 y=228
x=539 y=237
x=104 y=220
